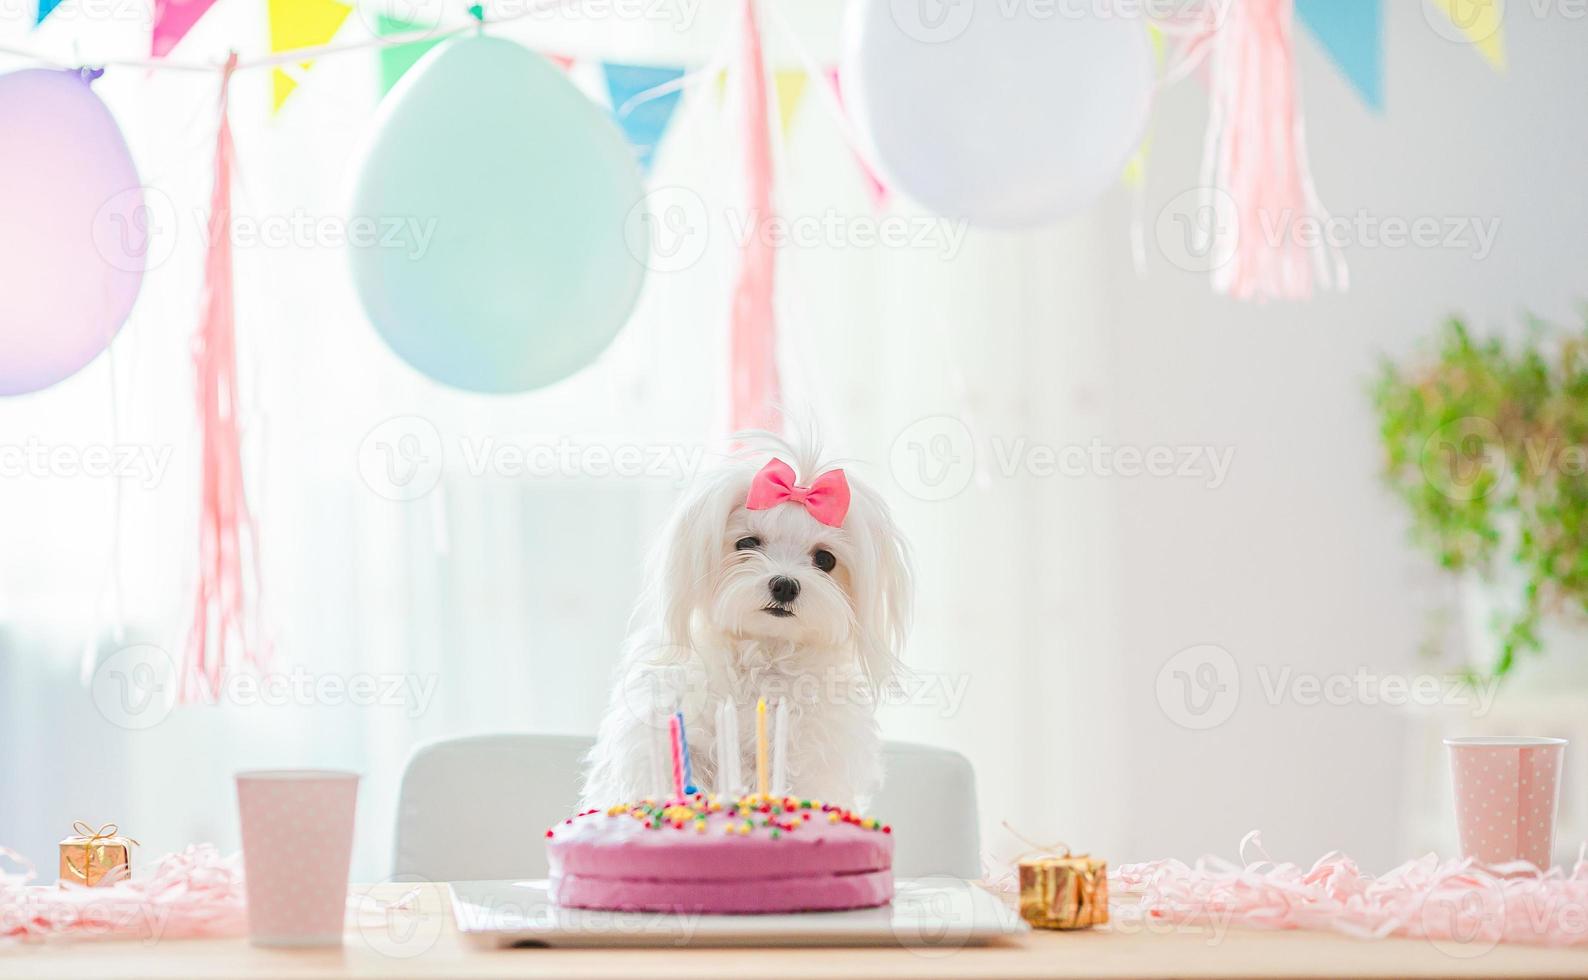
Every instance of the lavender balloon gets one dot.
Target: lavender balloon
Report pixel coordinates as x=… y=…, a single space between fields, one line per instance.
x=73 y=228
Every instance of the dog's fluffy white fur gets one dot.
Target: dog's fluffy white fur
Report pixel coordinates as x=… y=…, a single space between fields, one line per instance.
x=704 y=634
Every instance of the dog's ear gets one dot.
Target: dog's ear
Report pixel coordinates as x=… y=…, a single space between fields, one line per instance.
x=691 y=550
x=883 y=586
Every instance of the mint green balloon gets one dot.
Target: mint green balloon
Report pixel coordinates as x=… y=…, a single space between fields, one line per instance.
x=488 y=224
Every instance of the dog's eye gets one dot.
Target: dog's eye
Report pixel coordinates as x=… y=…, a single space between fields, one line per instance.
x=824 y=560
x=747 y=544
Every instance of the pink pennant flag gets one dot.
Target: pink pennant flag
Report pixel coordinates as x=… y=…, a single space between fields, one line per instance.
x=875 y=188
x=752 y=336
x=172 y=20
x=225 y=613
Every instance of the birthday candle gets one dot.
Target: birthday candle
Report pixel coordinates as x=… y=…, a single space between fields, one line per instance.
x=675 y=729
x=728 y=779
x=780 y=737
x=683 y=749
x=760 y=747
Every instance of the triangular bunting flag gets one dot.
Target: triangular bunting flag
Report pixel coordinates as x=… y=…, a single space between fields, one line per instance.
x=172 y=20
x=642 y=119
x=1352 y=32
x=396 y=59
x=563 y=61
x=790 y=86
x=298 y=24
x=875 y=188
x=1483 y=22
x=46 y=7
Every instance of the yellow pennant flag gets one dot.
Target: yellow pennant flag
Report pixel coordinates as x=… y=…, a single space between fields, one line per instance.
x=1483 y=23
x=298 y=24
x=1136 y=168
x=790 y=86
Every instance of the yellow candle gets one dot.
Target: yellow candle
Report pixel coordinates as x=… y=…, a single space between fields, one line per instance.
x=760 y=748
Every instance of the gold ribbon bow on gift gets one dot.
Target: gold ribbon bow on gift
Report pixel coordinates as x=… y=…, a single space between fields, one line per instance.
x=91 y=840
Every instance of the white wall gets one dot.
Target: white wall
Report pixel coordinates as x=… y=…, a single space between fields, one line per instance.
x=1300 y=559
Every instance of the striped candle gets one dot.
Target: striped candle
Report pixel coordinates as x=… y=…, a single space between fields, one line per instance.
x=683 y=750
x=675 y=729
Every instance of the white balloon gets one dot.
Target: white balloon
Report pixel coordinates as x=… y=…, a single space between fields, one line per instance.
x=1003 y=113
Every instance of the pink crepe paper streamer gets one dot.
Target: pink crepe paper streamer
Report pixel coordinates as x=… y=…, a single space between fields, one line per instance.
x=1454 y=901
x=1255 y=174
x=195 y=893
x=875 y=188
x=752 y=335
x=224 y=610
x=172 y=20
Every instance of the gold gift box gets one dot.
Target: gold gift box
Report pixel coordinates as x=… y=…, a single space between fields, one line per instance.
x=1068 y=892
x=89 y=855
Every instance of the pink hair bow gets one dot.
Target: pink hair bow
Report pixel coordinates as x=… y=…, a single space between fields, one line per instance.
x=826 y=499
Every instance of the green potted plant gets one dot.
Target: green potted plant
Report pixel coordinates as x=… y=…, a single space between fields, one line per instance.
x=1486 y=442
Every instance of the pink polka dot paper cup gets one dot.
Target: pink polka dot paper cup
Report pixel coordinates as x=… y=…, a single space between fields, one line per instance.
x=297 y=845
x=1506 y=791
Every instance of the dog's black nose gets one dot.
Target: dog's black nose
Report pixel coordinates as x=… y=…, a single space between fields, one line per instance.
x=783 y=588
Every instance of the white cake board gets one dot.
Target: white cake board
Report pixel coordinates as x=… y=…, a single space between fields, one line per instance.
x=926 y=913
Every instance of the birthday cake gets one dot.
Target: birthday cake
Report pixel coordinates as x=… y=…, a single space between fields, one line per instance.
x=698 y=854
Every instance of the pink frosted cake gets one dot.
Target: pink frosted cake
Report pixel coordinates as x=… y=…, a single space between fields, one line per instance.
x=700 y=855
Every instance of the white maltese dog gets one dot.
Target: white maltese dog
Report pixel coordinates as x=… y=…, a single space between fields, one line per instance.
x=776 y=578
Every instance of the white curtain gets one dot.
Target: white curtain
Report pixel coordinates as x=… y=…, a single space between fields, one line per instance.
x=498 y=600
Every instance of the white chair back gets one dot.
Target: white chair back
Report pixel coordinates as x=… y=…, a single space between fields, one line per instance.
x=478 y=807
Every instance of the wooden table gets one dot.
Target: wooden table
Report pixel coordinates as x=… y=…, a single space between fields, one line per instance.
x=424 y=943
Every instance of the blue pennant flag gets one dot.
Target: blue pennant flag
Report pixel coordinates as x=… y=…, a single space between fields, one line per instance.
x=46 y=7
x=1352 y=32
x=643 y=121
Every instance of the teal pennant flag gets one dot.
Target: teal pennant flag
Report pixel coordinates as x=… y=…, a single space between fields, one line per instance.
x=642 y=121
x=1352 y=32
